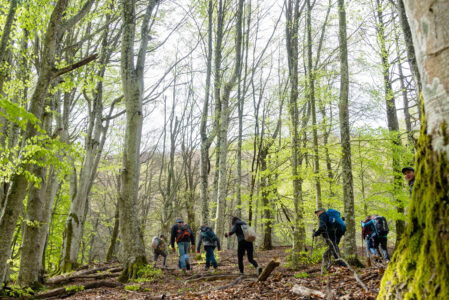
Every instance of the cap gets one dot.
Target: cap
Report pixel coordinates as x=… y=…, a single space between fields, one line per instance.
x=407 y=169
x=319 y=209
x=179 y=220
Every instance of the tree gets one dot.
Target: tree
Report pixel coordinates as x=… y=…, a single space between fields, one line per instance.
x=419 y=266
x=132 y=73
x=348 y=189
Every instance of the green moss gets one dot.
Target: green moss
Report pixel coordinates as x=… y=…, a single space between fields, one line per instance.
x=132 y=268
x=419 y=268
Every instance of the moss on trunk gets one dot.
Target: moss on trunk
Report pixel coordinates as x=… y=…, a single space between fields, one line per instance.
x=419 y=268
x=132 y=268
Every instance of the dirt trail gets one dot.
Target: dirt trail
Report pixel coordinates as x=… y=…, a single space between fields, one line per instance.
x=278 y=286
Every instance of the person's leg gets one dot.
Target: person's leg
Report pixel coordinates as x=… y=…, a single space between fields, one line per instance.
x=186 y=255
x=212 y=257
x=182 y=255
x=156 y=255
x=164 y=254
x=240 y=254
x=208 y=256
x=384 y=249
x=367 y=247
x=250 y=254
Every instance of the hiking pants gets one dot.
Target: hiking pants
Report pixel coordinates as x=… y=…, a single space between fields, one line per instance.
x=382 y=241
x=332 y=249
x=156 y=255
x=370 y=247
x=210 y=257
x=249 y=248
x=183 y=248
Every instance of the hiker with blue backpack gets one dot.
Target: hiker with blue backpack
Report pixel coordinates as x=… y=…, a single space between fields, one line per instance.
x=332 y=228
x=210 y=241
x=380 y=230
x=245 y=236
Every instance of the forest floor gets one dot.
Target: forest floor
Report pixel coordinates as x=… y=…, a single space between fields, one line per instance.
x=100 y=281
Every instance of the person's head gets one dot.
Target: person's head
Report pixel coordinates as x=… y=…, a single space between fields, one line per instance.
x=319 y=212
x=203 y=227
x=162 y=237
x=179 y=221
x=409 y=173
x=234 y=220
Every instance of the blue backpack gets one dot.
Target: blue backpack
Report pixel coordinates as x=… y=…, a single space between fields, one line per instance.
x=209 y=235
x=335 y=218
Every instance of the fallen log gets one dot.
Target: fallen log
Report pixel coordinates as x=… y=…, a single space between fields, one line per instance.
x=66 y=291
x=306 y=292
x=83 y=275
x=268 y=269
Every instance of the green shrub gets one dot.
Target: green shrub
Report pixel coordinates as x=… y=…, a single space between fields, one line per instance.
x=132 y=287
x=74 y=288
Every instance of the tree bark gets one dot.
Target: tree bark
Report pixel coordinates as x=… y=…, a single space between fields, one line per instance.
x=348 y=189
x=419 y=266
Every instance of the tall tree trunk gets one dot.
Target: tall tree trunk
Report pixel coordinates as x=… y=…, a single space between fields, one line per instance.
x=311 y=94
x=392 y=120
x=111 y=248
x=292 y=52
x=224 y=123
x=206 y=141
x=133 y=87
x=348 y=192
x=419 y=268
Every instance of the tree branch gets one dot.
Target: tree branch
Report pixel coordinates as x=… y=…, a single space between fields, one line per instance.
x=59 y=72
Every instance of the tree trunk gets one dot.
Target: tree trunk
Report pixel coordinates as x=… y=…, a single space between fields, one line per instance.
x=292 y=51
x=392 y=118
x=133 y=87
x=419 y=266
x=224 y=121
x=205 y=141
x=111 y=248
x=348 y=192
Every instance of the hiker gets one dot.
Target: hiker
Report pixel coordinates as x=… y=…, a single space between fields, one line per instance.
x=409 y=175
x=159 y=245
x=367 y=232
x=380 y=227
x=243 y=245
x=210 y=240
x=332 y=228
x=183 y=235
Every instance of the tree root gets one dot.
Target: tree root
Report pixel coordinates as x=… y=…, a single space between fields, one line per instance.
x=132 y=268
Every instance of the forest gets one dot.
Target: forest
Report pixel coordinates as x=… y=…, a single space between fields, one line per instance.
x=143 y=142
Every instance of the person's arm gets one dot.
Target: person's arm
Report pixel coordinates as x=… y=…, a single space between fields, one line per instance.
x=233 y=230
x=172 y=237
x=218 y=244
x=323 y=226
x=193 y=237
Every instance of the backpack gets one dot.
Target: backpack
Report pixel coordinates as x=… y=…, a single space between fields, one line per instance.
x=155 y=242
x=248 y=232
x=209 y=235
x=182 y=232
x=381 y=226
x=335 y=218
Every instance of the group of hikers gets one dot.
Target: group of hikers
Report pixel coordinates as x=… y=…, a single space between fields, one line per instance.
x=331 y=227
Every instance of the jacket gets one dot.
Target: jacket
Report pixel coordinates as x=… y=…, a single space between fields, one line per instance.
x=207 y=242
x=326 y=228
x=410 y=184
x=366 y=230
x=174 y=231
x=237 y=229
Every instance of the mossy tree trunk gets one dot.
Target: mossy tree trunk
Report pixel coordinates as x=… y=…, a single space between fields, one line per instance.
x=419 y=267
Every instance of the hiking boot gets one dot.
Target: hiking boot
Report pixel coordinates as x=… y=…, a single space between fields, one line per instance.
x=188 y=266
x=206 y=268
x=259 y=271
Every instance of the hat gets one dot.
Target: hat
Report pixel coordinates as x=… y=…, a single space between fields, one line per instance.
x=407 y=169
x=319 y=209
x=179 y=220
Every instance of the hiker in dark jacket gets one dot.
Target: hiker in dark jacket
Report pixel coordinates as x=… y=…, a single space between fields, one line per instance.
x=183 y=235
x=160 y=250
x=243 y=245
x=210 y=241
x=378 y=239
x=332 y=236
x=367 y=232
x=409 y=175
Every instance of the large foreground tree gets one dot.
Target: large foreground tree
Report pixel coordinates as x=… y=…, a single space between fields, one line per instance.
x=419 y=267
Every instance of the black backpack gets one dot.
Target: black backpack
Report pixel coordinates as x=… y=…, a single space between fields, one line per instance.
x=182 y=232
x=381 y=226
